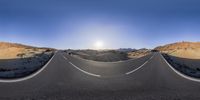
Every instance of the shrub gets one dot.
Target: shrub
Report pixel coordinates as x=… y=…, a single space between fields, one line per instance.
x=21 y=55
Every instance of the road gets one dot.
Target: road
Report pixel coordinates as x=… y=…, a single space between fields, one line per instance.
x=70 y=78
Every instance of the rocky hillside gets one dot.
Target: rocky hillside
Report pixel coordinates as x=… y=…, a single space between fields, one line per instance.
x=138 y=53
x=4 y=45
x=17 y=60
x=13 y=50
x=182 y=49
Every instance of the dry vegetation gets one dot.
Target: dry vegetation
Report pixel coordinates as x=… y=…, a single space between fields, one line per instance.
x=13 y=51
x=102 y=55
x=17 y=60
x=109 y=55
x=184 y=56
x=138 y=53
x=189 y=50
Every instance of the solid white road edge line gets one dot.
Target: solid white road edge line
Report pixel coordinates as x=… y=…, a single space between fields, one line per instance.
x=179 y=73
x=88 y=73
x=27 y=77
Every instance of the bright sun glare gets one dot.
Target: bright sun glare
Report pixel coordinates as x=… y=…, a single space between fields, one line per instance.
x=98 y=45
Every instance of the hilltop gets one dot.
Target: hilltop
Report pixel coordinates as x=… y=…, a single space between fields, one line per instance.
x=14 y=50
x=4 y=45
x=182 y=49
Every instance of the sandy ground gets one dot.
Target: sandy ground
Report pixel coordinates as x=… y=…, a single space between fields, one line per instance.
x=190 y=50
x=192 y=63
x=13 y=52
x=138 y=53
x=186 y=53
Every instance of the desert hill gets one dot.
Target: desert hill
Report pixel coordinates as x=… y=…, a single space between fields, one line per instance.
x=14 y=50
x=138 y=53
x=17 y=60
x=4 y=45
x=182 y=49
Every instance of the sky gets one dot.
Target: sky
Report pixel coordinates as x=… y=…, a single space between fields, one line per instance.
x=81 y=24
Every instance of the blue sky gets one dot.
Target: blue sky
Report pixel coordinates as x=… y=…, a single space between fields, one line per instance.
x=117 y=23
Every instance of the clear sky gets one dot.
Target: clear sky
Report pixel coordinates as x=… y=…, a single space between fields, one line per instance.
x=116 y=23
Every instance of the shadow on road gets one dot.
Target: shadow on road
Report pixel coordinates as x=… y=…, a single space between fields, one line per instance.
x=190 y=67
x=21 y=67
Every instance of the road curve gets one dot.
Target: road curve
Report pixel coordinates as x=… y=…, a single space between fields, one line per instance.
x=107 y=69
x=29 y=76
x=61 y=81
x=180 y=73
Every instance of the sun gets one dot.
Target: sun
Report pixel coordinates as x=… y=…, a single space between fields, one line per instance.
x=98 y=45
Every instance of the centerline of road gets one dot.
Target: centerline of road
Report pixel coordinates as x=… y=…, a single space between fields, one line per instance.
x=82 y=69
x=96 y=75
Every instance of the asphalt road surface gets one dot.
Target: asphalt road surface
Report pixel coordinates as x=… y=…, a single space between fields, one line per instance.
x=70 y=78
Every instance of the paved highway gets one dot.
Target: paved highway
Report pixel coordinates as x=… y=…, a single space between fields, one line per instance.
x=69 y=78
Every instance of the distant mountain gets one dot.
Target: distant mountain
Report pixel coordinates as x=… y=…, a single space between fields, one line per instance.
x=182 y=49
x=126 y=49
